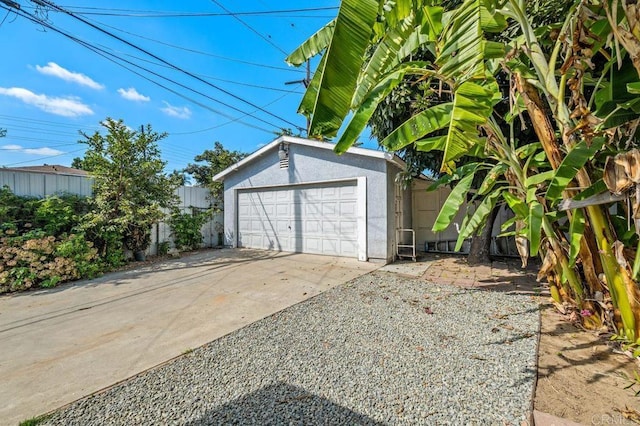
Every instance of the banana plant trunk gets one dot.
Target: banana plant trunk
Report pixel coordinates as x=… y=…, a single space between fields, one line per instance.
x=624 y=292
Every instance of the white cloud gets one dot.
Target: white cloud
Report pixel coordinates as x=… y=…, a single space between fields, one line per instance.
x=74 y=77
x=32 y=151
x=66 y=107
x=12 y=147
x=174 y=111
x=131 y=94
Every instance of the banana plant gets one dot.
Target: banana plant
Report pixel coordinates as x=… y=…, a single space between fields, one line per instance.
x=368 y=51
x=580 y=136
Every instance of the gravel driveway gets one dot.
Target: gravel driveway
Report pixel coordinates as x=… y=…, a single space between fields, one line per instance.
x=381 y=349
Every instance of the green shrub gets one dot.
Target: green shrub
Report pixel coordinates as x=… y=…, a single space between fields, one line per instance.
x=186 y=228
x=59 y=214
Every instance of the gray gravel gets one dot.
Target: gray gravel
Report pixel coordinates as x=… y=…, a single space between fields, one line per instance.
x=380 y=349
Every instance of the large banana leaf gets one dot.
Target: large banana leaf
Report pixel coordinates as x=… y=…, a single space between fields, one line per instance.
x=428 y=121
x=415 y=29
x=462 y=49
x=571 y=164
x=455 y=199
x=472 y=106
x=479 y=217
x=363 y=114
x=457 y=174
x=384 y=57
x=309 y=97
x=312 y=46
x=344 y=59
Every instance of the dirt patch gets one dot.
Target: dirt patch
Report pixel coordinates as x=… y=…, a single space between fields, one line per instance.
x=580 y=377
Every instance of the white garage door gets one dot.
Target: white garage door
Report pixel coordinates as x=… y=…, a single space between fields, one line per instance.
x=319 y=219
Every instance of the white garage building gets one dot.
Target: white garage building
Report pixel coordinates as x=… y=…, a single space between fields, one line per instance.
x=297 y=195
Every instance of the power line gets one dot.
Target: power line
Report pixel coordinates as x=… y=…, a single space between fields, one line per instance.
x=54 y=123
x=239 y=83
x=199 y=52
x=45 y=158
x=253 y=30
x=97 y=11
x=110 y=56
x=177 y=68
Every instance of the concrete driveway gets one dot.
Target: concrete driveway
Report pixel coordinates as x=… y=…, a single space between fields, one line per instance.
x=62 y=344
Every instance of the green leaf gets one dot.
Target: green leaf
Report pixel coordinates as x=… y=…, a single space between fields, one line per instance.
x=431 y=21
x=537 y=179
x=479 y=217
x=431 y=144
x=536 y=213
x=634 y=88
x=344 y=59
x=308 y=100
x=312 y=46
x=572 y=163
x=528 y=149
x=576 y=230
x=363 y=114
x=384 y=57
x=428 y=121
x=472 y=107
x=457 y=174
x=507 y=223
x=516 y=204
x=490 y=180
x=453 y=203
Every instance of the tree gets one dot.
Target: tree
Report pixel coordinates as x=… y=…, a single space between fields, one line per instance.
x=78 y=163
x=210 y=163
x=574 y=134
x=130 y=186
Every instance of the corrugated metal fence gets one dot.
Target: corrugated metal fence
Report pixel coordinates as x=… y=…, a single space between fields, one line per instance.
x=40 y=185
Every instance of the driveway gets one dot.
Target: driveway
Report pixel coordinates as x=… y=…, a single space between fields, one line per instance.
x=59 y=345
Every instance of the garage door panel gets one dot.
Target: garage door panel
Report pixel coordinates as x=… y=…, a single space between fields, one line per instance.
x=330 y=209
x=348 y=248
x=312 y=226
x=319 y=220
x=330 y=227
x=349 y=229
x=282 y=210
x=348 y=208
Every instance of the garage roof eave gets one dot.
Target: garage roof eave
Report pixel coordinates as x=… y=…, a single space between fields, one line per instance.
x=390 y=157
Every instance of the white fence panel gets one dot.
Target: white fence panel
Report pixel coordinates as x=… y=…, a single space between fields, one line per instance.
x=40 y=185
x=191 y=198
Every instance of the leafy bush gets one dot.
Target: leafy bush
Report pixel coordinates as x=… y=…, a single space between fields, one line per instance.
x=56 y=215
x=186 y=228
x=59 y=214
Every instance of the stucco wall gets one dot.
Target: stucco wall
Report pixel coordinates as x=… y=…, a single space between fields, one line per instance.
x=309 y=164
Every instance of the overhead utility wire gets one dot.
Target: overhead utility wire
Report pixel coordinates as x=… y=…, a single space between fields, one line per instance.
x=239 y=83
x=158 y=14
x=200 y=52
x=251 y=28
x=190 y=74
x=106 y=55
x=44 y=158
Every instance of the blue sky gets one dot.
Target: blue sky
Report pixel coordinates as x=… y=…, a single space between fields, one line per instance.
x=51 y=86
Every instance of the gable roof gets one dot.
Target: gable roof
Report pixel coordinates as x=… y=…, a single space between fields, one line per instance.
x=50 y=168
x=371 y=153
